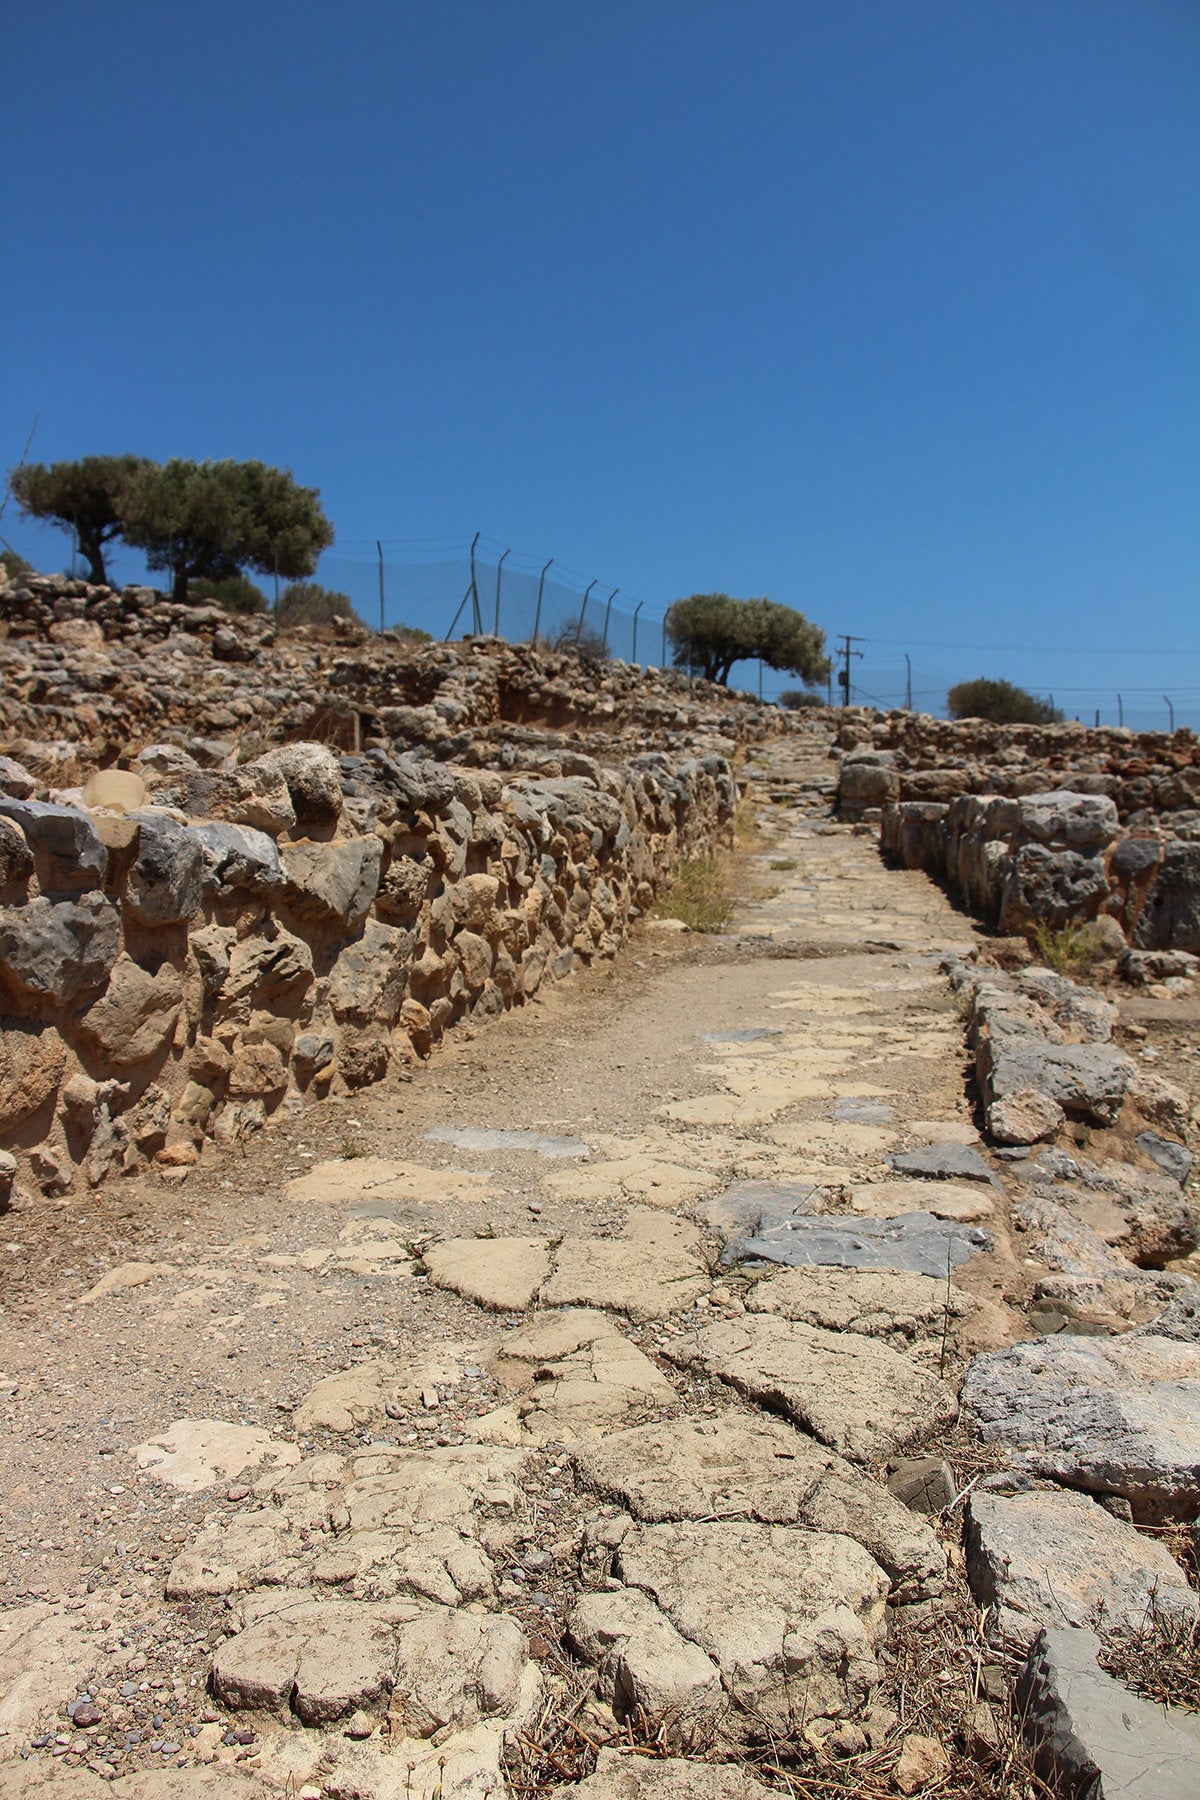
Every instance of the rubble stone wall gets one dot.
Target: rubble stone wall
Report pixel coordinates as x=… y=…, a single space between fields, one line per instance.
x=1038 y=825
x=191 y=940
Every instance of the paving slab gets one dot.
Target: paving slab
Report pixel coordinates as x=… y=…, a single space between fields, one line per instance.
x=1108 y=1415
x=655 y=1267
x=574 y=1375
x=917 y=1242
x=857 y=1395
x=194 y=1454
x=1094 y=1736
x=739 y=1466
x=892 y=1304
x=501 y=1273
x=486 y=1137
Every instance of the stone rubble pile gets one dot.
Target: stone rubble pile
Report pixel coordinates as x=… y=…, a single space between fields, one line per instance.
x=90 y=676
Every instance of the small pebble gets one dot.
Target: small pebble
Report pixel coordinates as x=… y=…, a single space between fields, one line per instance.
x=237 y=1493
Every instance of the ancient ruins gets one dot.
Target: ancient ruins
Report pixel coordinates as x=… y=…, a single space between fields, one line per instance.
x=467 y=1334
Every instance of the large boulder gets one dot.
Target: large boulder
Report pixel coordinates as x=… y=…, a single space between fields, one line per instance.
x=333 y=884
x=31 y=1066
x=66 y=846
x=239 y=857
x=134 y=1017
x=1171 y=917
x=1108 y=1415
x=312 y=777
x=53 y=950
x=165 y=884
x=1054 y=1558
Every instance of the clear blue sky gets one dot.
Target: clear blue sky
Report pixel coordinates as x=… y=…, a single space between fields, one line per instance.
x=887 y=309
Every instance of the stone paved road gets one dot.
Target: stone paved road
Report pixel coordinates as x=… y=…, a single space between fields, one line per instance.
x=322 y=1452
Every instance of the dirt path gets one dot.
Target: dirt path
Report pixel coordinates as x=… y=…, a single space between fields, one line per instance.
x=404 y=1455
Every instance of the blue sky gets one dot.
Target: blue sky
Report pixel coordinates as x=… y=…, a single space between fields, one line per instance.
x=888 y=311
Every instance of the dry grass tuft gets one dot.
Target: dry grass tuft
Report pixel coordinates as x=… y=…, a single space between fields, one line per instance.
x=1160 y=1660
x=698 y=895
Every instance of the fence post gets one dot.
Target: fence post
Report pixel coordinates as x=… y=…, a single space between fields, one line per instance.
x=499 y=572
x=583 y=609
x=663 y=663
x=607 y=611
x=537 y=617
x=476 y=614
x=637 y=609
x=379 y=547
x=1170 y=713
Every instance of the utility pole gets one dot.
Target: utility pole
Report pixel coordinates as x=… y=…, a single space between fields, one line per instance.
x=846 y=653
x=908 y=682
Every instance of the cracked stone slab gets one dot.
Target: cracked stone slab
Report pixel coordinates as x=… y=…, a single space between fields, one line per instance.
x=1094 y=1736
x=779 y=1609
x=916 y=1242
x=324 y=1659
x=942 y=1162
x=194 y=1454
x=379 y=1179
x=502 y=1273
x=965 y=1203
x=484 y=1138
x=643 y=1662
x=391 y=1521
x=1110 y=1415
x=575 y=1375
x=1055 y=1558
x=655 y=1267
x=756 y=1468
x=749 y=1208
x=641 y=1176
x=862 y=1398
x=884 y=1303
x=359 y=1396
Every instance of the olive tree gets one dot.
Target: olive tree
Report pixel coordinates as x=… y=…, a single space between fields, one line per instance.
x=214 y=519
x=88 y=498
x=708 y=633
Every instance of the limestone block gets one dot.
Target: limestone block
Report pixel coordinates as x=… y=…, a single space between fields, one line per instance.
x=134 y=1016
x=855 y=1394
x=312 y=776
x=65 y=843
x=51 y=951
x=166 y=881
x=334 y=884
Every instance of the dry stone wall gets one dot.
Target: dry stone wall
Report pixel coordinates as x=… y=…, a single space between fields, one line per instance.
x=1038 y=825
x=191 y=939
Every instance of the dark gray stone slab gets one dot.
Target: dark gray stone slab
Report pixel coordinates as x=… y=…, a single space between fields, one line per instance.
x=1095 y=1737
x=738 y=1037
x=915 y=1242
x=480 y=1137
x=863 y=1112
x=750 y=1207
x=942 y=1162
x=1174 y=1158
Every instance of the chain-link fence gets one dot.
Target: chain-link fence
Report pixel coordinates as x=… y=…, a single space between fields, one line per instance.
x=452 y=586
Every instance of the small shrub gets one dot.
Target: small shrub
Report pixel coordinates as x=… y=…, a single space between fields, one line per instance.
x=308 y=603
x=796 y=699
x=587 y=643
x=697 y=896
x=784 y=864
x=236 y=593
x=1072 y=949
x=1000 y=703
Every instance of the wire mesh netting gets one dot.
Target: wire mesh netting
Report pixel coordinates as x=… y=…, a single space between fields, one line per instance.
x=447 y=589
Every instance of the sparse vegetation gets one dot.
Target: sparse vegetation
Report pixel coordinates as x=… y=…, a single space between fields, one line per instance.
x=237 y=594
x=999 y=702
x=796 y=699
x=698 y=896
x=14 y=564
x=1072 y=949
x=308 y=603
